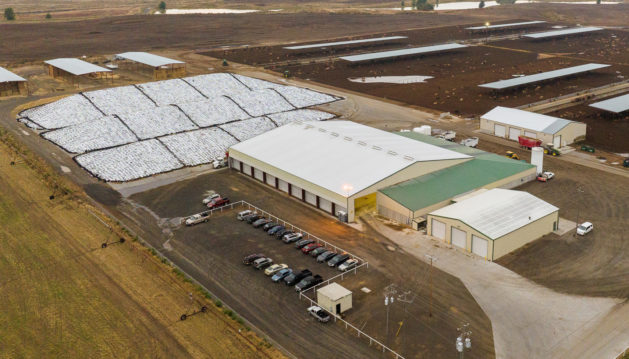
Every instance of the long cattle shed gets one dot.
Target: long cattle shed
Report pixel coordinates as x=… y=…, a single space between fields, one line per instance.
x=160 y=67
x=494 y=222
x=409 y=202
x=511 y=123
x=74 y=69
x=337 y=165
x=11 y=84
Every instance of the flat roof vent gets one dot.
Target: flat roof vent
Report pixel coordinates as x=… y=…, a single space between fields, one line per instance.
x=376 y=148
x=323 y=130
x=362 y=143
x=392 y=153
x=409 y=158
x=334 y=134
x=347 y=138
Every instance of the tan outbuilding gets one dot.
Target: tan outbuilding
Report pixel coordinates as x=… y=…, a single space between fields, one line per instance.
x=511 y=123
x=11 y=84
x=334 y=298
x=493 y=222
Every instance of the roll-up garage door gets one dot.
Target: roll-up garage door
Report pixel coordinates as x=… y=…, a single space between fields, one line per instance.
x=459 y=238
x=258 y=174
x=557 y=141
x=479 y=246
x=295 y=191
x=514 y=133
x=311 y=198
x=499 y=130
x=235 y=164
x=270 y=180
x=282 y=185
x=246 y=169
x=325 y=205
x=530 y=134
x=438 y=229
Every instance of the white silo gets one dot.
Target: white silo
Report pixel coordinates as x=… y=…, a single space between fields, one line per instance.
x=537 y=158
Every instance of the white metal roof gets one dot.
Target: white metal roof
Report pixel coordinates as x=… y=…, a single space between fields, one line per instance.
x=525 y=119
x=8 y=76
x=402 y=52
x=338 y=154
x=524 y=80
x=148 y=59
x=499 y=26
x=572 y=31
x=334 y=291
x=339 y=43
x=76 y=66
x=498 y=211
x=617 y=104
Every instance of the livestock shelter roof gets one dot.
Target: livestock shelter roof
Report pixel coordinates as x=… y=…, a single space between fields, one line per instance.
x=334 y=291
x=348 y=42
x=401 y=52
x=148 y=59
x=572 y=31
x=337 y=154
x=525 y=119
x=498 y=212
x=75 y=66
x=8 y=76
x=616 y=105
x=447 y=183
x=525 y=80
x=500 y=26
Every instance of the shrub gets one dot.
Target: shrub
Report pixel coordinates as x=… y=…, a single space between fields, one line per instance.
x=9 y=14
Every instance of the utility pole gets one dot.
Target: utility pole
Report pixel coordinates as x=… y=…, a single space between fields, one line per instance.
x=389 y=293
x=430 y=278
x=464 y=340
x=579 y=192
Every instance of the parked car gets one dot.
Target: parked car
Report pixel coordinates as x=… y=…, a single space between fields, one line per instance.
x=303 y=242
x=252 y=218
x=308 y=282
x=209 y=198
x=470 y=142
x=309 y=247
x=545 y=176
x=260 y=222
x=325 y=256
x=262 y=263
x=269 y=225
x=319 y=313
x=218 y=202
x=295 y=277
x=281 y=274
x=281 y=233
x=625 y=163
x=274 y=230
x=292 y=237
x=275 y=268
x=549 y=175
x=252 y=257
x=338 y=259
x=584 y=228
x=348 y=264
x=197 y=218
x=318 y=251
x=243 y=214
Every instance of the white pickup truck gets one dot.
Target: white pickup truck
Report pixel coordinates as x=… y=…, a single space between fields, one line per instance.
x=448 y=135
x=470 y=142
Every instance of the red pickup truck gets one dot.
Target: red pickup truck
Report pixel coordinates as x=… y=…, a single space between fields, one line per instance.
x=529 y=142
x=218 y=202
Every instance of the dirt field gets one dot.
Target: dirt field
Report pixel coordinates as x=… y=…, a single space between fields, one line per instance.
x=222 y=243
x=65 y=296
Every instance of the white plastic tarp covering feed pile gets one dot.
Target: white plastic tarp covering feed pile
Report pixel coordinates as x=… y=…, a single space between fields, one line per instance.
x=88 y=136
x=244 y=130
x=123 y=99
x=129 y=162
x=283 y=118
x=161 y=121
x=261 y=102
x=198 y=147
x=213 y=111
x=65 y=112
x=177 y=119
x=171 y=92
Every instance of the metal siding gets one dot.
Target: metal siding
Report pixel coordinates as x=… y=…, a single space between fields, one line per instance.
x=438 y=229
x=311 y=198
x=479 y=246
x=246 y=169
x=282 y=185
x=258 y=174
x=235 y=164
x=530 y=134
x=557 y=141
x=514 y=133
x=270 y=180
x=295 y=191
x=499 y=130
x=325 y=205
x=458 y=238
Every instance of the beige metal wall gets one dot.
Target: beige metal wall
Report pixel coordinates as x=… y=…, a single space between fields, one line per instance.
x=573 y=132
x=330 y=305
x=464 y=227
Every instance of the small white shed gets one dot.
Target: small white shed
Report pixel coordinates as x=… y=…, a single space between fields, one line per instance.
x=334 y=298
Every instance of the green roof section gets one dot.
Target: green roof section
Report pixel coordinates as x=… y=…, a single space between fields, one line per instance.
x=484 y=169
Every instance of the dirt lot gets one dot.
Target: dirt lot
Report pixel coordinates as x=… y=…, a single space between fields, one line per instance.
x=65 y=296
x=221 y=243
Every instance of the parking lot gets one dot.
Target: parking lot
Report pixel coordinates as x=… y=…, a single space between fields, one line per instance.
x=212 y=252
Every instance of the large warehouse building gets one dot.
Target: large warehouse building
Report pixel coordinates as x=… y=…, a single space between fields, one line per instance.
x=337 y=165
x=510 y=123
x=494 y=222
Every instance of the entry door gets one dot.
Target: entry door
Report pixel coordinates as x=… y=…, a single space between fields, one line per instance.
x=438 y=229
x=479 y=246
x=557 y=141
x=459 y=238
x=499 y=130
x=338 y=308
x=514 y=133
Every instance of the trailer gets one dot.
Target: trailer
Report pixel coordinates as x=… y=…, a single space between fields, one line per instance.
x=529 y=142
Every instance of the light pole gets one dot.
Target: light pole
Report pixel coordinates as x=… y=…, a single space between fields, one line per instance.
x=389 y=293
x=464 y=340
